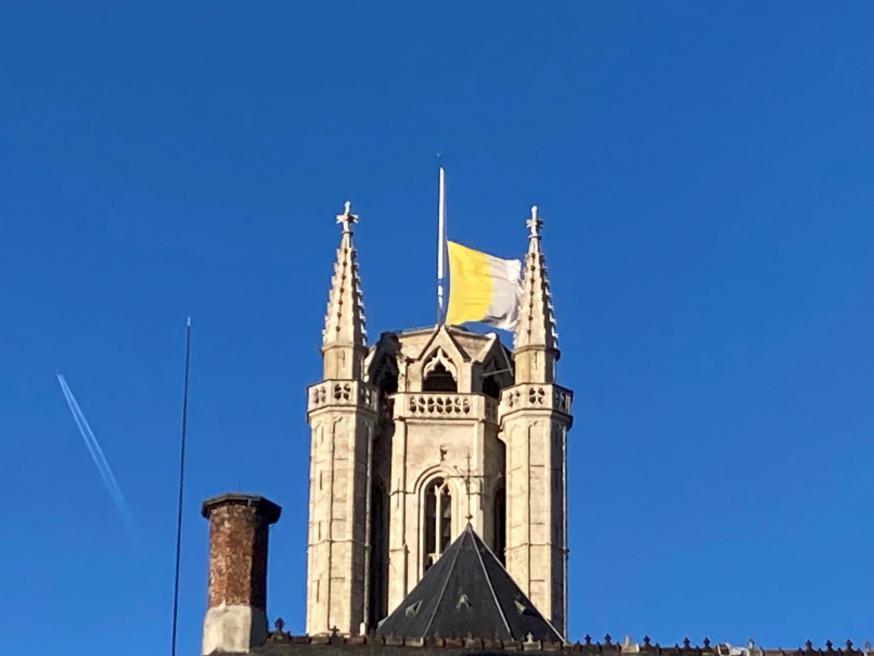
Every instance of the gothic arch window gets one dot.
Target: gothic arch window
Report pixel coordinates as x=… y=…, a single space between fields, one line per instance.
x=499 y=516
x=439 y=374
x=437 y=529
x=439 y=380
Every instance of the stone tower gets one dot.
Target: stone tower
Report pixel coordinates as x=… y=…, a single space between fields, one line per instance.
x=342 y=416
x=422 y=433
x=535 y=417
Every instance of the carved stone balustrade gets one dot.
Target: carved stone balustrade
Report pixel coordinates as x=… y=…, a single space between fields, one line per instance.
x=537 y=396
x=334 y=393
x=448 y=405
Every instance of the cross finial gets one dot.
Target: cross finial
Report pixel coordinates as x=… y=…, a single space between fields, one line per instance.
x=534 y=223
x=347 y=218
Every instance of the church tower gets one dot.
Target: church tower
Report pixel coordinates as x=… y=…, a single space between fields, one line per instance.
x=425 y=433
x=535 y=417
x=342 y=416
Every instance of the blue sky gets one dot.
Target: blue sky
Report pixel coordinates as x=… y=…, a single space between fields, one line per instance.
x=706 y=175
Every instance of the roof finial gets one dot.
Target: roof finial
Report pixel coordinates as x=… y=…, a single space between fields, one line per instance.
x=534 y=224
x=347 y=218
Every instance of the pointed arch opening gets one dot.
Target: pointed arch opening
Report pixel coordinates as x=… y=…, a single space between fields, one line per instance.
x=437 y=528
x=439 y=379
x=439 y=374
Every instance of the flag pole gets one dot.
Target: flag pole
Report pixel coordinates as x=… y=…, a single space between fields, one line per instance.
x=184 y=430
x=441 y=242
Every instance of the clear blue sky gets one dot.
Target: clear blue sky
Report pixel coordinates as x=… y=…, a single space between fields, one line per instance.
x=706 y=173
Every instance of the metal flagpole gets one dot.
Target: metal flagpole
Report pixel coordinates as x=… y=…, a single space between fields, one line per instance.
x=181 y=481
x=441 y=243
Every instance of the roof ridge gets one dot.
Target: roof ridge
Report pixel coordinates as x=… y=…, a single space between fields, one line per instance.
x=442 y=589
x=469 y=531
x=549 y=623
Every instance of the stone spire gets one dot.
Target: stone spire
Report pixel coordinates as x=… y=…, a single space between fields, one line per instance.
x=344 y=339
x=535 y=343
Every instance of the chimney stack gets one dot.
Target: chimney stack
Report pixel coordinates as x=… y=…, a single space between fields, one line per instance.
x=236 y=618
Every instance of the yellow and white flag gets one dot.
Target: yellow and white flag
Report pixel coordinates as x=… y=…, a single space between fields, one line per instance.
x=482 y=287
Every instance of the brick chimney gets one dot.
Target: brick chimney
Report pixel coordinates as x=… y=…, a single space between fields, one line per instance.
x=235 y=618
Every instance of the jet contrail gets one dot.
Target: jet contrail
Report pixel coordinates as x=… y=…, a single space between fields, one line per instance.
x=97 y=456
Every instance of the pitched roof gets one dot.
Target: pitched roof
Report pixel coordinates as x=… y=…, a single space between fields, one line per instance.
x=468 y=593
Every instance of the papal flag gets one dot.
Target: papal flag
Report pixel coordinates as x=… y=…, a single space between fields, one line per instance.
x=482 y=287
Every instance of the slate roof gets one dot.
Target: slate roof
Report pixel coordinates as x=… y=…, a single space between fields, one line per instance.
x=468 y=593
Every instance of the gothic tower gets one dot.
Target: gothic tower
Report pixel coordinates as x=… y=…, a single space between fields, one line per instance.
x=342 y=417
x=535 y=417
x=424 y=432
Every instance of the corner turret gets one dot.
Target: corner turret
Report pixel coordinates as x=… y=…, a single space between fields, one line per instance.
x=342 y=413
x=535 y=415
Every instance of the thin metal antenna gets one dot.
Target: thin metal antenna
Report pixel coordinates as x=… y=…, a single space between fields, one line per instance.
x=181 y=485
x=441 y=241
